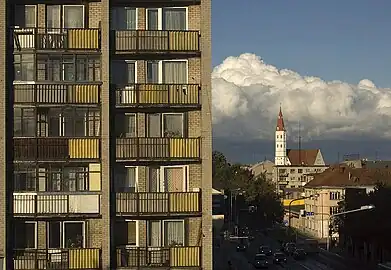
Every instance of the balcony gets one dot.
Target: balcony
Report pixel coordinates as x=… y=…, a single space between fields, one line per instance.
x=150 y=257
x=43 y=39
x=36 y=94
x=78 y=258
x=52 y=204
x=56 y=149
x=157 y=41
x=158 y=149
x=158 y=203
x=158 y=95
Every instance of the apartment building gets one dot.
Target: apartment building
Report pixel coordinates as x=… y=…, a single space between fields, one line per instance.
x=106 y=134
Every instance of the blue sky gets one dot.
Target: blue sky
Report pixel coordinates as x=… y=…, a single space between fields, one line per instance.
x=344 y=40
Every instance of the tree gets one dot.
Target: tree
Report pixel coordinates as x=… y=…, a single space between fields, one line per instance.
x=220 y=171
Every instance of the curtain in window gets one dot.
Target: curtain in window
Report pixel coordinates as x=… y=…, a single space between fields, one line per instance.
x=152 y=72
x=53 y=17
x=124 y=18
x=153 y=125
x=174 y=19
x=155 y=239
x=174 y=72
x=153 y=19
x=173 y=125
x=25 y=16
x=131 y=67
x=130 y=180
x=173 y=179
x=173 y=233
x=132 y=228
x=130 y=125
x=154 y=179
x=93 y=120
x=73 y=17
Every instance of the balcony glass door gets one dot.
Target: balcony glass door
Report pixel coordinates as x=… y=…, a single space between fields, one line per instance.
x=167 y=233
x=123 y=18
x=126 y=179
x=167 y=19
x=167 y=179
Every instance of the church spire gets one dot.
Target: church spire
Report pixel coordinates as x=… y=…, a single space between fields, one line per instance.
x=280 y=122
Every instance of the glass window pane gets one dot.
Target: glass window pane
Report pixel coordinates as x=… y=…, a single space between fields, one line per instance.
x=25 y=235
x=174 y=19
x=131 y=72
x=132 y=232
x=54 y=234
x=25 y=16
x=153 y=19
x=53 y=17
x=130 y=125
x=124 y=18
x=153 y=129
x=130 y=180
x=73 y=17
x=175 y=72
x=173 y=125
x=73 y=235
x=152 y=72
x=173 y=233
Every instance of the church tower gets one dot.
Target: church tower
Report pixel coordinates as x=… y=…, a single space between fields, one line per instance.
x=280 y=158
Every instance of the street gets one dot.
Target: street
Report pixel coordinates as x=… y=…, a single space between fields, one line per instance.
x=242 y=260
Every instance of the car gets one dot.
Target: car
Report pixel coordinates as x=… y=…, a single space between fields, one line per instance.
x=289 y=248
x=279 y=258
x=265 y=250
x=299 y=254
x=241 y=247
x=260 y=261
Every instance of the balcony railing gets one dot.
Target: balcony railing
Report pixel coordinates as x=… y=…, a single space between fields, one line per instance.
x=158 y=203
x=158 y=95
x=56 y=149
x=64 y=259
x=158 y=148
x=49 y=204
x=56 y=39
x=57 y=93
x=128 y=257
x=157 y=41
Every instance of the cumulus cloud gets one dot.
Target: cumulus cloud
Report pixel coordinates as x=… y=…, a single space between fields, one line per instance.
x=247 y=94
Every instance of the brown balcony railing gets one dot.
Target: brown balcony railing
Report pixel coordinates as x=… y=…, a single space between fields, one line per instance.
x=158 y=95
x=158 y=148
x=169 y=257
x=56 y=39
x=158 y=203
x=157 y=41
x=57 y=93
x=56 y=149
x=64 y=259
x=50 y=204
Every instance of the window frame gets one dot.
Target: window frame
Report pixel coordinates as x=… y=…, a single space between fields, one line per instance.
x=136 y=171
x=62 y=233
x=162 y=179
x=20 y=63
x=160 y=17
x=35 y=232
x=35 y=16
x=126 y=7
x=23 y=120
x=163 y=127
x=137 y=233
x=62 y=16
x=160 y=69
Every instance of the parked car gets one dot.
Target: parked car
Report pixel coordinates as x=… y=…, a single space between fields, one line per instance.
x=265 y=250
x=279 y=258
x=260 y=261
x=299 y=254
x=289 y=248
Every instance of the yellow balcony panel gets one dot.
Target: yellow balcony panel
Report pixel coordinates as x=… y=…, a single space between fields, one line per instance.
x=185 y=257
x=183 y=40
x=84 y=148
x=84 y=259
x=87 y=94
x=184 y=202
x=184 y=148
x=83 y=39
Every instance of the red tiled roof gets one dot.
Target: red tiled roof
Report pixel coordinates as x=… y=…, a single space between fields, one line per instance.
x=302 y=157
x=344 y=176
x=280 y=122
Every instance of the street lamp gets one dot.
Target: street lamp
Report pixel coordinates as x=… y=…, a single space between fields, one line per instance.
x=362 y=208
x=298 y=199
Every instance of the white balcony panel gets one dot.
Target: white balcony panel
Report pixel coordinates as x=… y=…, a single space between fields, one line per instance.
x=24 y=203
x=86 y=204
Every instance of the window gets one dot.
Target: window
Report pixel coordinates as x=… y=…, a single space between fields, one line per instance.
x=25 y=178
x=25 y=235
x=124 y=72
x=126 y=233
x=67 y=179
x=126 y=179
x=166 y=233
x=299 y=170
x=123 y=18
x=66 y=16
x=167 y=179
x=25 y=16
x=126 y=125
x=24 y=122
x=335 y=195
x=167 y=19
x=169 y=72
x=165 y=125
x=292 y=171
x=334 y=210
x=66 y=234
x=282 y=170
x=80 y=68
x=24 y=67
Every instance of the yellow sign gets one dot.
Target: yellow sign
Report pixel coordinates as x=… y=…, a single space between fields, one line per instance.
x=298 y=202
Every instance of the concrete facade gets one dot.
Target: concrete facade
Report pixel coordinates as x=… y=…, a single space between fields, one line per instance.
x=100 y=231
